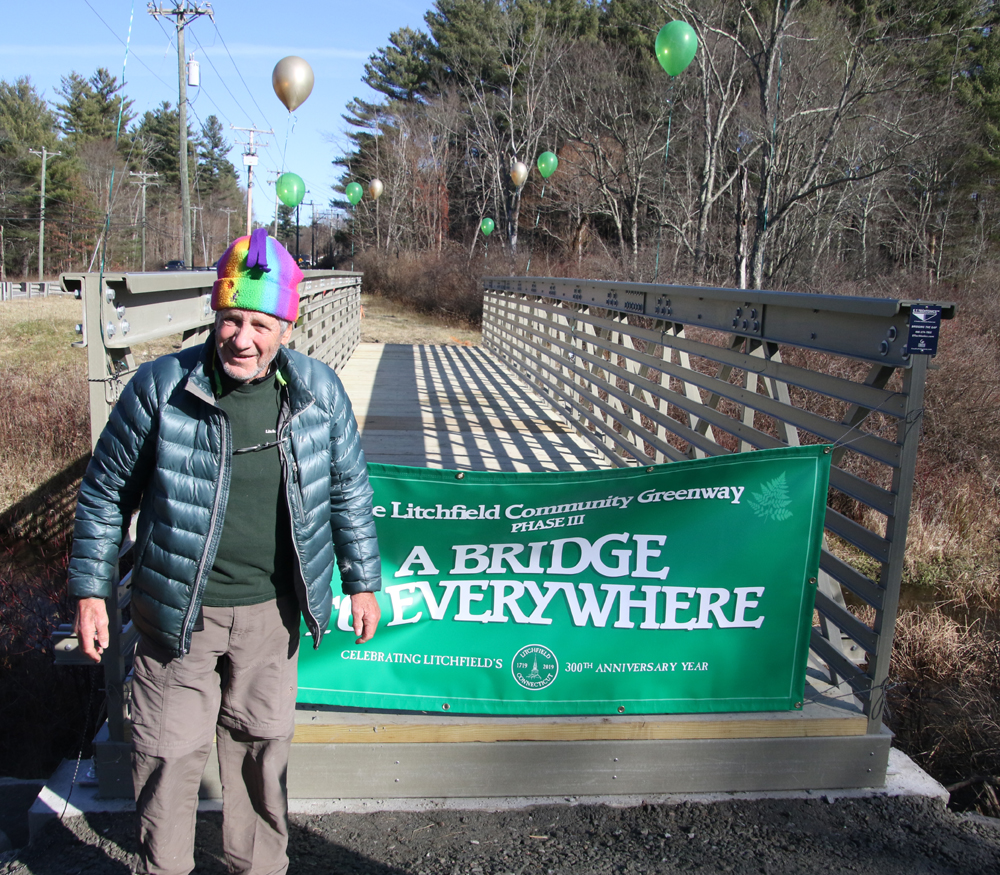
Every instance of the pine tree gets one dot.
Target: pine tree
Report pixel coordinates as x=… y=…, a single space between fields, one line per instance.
x=26 y=124
x=91 y=107
x=216 y=174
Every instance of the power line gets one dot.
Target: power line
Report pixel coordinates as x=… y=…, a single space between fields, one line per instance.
x=201 y=90
x=115 y=35
x=217 y=73
x=184 y=13
x=222 y=80
x=227 y=211
x=238 y=73
x=273 y=161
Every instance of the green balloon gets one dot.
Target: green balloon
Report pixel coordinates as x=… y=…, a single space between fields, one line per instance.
x=291 y=189
x=547 y=164
x=486 y=226
x=354 y=192
x=676 y=44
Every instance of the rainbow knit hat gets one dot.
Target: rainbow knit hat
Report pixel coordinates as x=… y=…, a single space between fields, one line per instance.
x=257 y=273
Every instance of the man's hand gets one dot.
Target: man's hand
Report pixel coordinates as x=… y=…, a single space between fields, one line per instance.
x=91 y=627
x=366 y=614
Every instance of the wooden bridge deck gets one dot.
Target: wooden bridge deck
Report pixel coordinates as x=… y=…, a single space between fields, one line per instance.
x=456 y=407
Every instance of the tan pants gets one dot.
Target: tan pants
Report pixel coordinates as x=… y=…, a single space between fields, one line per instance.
x=238 y=683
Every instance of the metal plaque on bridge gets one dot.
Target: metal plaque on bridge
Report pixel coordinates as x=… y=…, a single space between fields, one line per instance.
x=684 y=587
x=924 y=329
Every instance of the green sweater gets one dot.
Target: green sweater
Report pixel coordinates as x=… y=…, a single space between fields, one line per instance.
x=256 y=556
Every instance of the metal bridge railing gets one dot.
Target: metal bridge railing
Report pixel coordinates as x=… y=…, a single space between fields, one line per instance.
x=131 y=309
x=27 y=290
x=649 y=374
x=656 y=373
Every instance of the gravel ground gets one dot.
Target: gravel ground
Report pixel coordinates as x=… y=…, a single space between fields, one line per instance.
x=872 y=836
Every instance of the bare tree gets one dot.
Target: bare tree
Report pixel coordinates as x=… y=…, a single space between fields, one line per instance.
x=815 y=73
x=721 y=70
x=510 y=115
x=615 y=116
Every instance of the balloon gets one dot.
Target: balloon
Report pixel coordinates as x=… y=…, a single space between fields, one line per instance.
x=292 y=80
x=676 y=44
x=486 y=226
x=354 y=192
x=547 y=164
x=519 y=173
x=291 y=189
x=375 y=188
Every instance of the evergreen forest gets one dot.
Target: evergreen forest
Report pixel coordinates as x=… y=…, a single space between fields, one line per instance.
x=808 y=142
x=110 y=178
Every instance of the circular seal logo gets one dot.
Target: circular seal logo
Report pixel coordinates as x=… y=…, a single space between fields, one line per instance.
x=534 y=667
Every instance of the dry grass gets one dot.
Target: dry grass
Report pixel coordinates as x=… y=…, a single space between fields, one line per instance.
x=44 y=438
x=438 y=284
x=39 y=333
x=44 y=418
x=946 y=664
x=44 y=406
x=391 y=321
x=944 y=692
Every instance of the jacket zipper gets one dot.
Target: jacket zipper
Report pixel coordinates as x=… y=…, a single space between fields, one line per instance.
x=293 y=490
x=200 y=578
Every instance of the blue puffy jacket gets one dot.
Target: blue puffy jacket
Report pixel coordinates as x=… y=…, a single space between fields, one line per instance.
x=166 y=450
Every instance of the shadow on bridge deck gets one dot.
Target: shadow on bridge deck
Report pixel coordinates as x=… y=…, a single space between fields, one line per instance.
x=456 y=407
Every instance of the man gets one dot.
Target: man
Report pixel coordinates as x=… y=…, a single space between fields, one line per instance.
x=245 y=463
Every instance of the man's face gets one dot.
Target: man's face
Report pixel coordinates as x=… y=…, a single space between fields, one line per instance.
x=247 y=342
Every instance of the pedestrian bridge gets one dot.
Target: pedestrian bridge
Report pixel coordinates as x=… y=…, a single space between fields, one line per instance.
x=576 y=375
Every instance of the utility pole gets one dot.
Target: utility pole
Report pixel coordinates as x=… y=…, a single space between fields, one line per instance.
x=41 y=221
x=144 y=182
x=297 y=230
x=227 y=211
x=312 y=245
x=250 y=160
x=184 y=12
x=194 y=226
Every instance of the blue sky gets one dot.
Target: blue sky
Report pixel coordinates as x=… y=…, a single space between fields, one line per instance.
x=48 y=39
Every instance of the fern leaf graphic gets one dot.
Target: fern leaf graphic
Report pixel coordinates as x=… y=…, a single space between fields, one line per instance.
x=772 y=501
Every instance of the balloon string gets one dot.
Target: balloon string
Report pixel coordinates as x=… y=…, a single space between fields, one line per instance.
x=537 y=215
x=284 y=150
x=663 y=182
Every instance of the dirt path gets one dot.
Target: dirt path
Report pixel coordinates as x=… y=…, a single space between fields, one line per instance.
x=879 y=836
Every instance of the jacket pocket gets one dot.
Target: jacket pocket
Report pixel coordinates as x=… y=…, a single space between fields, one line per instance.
x=139 y=552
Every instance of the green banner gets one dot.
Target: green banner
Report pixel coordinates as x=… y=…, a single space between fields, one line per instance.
x=685 y=587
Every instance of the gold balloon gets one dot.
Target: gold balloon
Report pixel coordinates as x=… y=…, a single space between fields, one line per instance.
x=375 y=188
x=519 y=173
x=292 y=80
